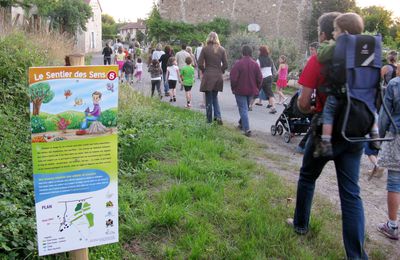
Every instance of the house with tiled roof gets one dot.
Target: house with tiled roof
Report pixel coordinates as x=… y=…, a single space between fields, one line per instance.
x=90 y=41
x=128 y=31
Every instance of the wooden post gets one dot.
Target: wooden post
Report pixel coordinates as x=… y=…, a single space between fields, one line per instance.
x=76 y=59
x=80 y=254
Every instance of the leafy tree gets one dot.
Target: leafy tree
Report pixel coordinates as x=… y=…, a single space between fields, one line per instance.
x=322 y=6
x=172 y=31
x=107 y=19
x=40 y=93
x=377 y=19
x=65 y=15
x=140 y=36
x=109 y=26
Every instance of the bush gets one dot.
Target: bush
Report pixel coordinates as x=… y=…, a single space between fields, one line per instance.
x=236 y=41
x=109 y=118
x=38 y=125
x=18 y=52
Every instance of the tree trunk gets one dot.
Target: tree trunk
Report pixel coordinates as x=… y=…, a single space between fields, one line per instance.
x=36 y=107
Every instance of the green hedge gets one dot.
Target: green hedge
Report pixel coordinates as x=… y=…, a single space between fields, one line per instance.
x=17 y=208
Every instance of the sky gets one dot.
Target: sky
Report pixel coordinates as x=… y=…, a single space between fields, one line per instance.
x=126 y=10
x=131 y=10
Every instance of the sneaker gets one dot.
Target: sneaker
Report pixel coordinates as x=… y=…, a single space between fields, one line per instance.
x=269 y=106
x=218 y=120
x=248 y=133
x=300 y=231
x=171 y=100
x=174 y=98
x=326 y=148
x=272 y=111
x=392 y=233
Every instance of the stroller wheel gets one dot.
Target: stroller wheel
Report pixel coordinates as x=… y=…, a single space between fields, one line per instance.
x=287 y=137
x=279 y=129
x=273 y=129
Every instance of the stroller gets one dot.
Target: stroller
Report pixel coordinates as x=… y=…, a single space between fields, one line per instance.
x=292 y=121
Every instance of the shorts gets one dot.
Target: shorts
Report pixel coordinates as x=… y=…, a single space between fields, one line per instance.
x=267 y=87
x=393 y=181
x=172 y=84
x=187 y=88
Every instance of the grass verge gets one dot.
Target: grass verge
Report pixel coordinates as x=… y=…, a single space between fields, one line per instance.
x=191 y=190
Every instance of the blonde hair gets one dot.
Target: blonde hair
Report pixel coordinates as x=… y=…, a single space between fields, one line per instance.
x=213 y=39
x=350 y=22
x=189 y=49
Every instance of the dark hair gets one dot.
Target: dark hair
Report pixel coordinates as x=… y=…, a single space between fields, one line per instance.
x=128 y=57
x=246 y=50
x=325 y=23
x=139 y=60
x=188 y=60
x=155 y=62
x=97 y=93
x=183 y=46
x=264 y=50
x=167 y=49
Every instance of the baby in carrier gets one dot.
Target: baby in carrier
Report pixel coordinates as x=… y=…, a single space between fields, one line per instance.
x=350 y=23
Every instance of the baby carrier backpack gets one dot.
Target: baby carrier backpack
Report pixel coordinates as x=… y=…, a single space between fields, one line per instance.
x=355 y=77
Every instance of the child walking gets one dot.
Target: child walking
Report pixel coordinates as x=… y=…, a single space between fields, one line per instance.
x=128 y=69
x=187 y=77
x=155 y=74
x=119 y=59
x=282 y=78
x=350 y=23
x=173 y=77
x=139 y=70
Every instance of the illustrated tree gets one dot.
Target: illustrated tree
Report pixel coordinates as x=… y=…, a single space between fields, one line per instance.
x=40 y=93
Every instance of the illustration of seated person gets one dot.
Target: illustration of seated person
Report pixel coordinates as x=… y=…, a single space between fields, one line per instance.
x=94 y=115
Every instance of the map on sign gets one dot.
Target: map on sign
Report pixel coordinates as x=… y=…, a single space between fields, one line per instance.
x=76 y=213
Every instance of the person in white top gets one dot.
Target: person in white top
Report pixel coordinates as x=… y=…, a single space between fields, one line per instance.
x=197 y=52
x=173 y=77
x=181 y=56
x=158 y=52
x=266 y=66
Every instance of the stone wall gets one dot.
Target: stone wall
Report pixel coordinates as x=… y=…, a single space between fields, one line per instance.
x=277 y=18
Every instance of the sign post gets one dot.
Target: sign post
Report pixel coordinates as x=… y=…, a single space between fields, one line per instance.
x=75 y=159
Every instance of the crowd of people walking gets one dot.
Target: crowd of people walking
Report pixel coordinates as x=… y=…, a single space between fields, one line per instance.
x=253 y=78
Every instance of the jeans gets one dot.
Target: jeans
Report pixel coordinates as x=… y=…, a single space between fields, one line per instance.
x=329 y=110
x=212 y=102
x=347 y=158
x=243 y=106
x=165 y=81
x=88 y=119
